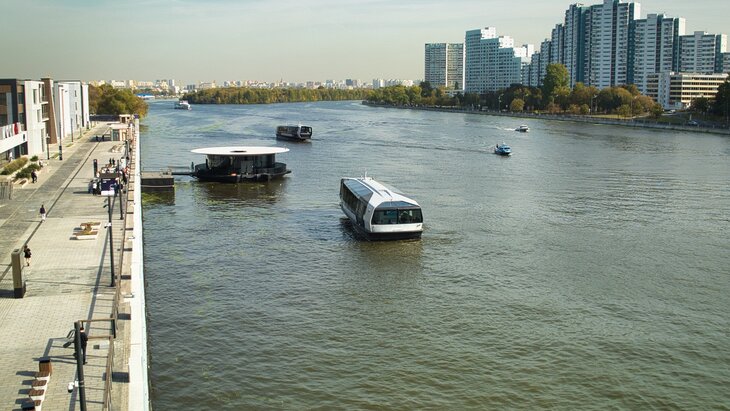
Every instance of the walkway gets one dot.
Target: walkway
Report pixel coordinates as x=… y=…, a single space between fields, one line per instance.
x=68 y=280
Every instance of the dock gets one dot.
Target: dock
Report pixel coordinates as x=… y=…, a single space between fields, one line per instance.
x=157 y=181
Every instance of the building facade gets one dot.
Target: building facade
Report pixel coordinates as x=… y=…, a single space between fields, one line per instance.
x=444 y=65
x=37 y=116
x=701 y=52
x=656 y=47
x=677 y=90
x=491 y=62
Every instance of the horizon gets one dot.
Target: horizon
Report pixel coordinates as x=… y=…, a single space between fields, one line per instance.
x=229 y=40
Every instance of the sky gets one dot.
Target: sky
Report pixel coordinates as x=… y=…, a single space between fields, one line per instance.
x=195 y=41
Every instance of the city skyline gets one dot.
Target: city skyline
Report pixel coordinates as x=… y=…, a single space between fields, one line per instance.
x=268 y=41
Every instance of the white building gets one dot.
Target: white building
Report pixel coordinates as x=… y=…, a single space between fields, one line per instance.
x=611 y=40
x=701 y=52
x=655 y=48
x=677 y=90
x=444 y=65
x=491 y=62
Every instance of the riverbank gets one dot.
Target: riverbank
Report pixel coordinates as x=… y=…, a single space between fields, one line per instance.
x=71 y=280
x=635 y=123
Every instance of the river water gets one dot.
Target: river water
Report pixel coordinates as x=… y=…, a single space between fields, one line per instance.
x=590 y=270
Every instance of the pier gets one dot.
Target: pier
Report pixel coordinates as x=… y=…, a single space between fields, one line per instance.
x=86 y=269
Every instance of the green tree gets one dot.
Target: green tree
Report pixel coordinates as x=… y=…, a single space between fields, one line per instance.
x=426 y=89
x=624 y=110
x=722 y=99
x=721 y=106
x=108 y=100
x=517 y=105
x=556 y=77
x=700 y=105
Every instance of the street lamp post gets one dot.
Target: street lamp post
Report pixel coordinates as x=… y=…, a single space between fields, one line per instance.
x=109 y=205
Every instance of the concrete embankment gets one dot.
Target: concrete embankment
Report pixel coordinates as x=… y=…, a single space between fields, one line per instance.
x=93 y=277
x=636 y=123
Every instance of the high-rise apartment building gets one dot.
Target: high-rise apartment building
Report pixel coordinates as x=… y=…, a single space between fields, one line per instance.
x=444 y=65
x=492 y=62
x=656 y=47
x=701 y=52
x=613 y=30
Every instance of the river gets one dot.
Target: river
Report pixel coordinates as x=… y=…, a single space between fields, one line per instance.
x=589 y=270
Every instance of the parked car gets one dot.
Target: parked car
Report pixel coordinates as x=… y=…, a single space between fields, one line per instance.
x=693 y=123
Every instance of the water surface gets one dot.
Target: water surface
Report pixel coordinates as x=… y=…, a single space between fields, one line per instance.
x=587 y=271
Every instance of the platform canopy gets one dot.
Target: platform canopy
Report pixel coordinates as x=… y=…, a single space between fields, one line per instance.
x=240 y=151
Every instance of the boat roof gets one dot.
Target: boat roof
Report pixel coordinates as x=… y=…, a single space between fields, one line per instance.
x=240 y=151
x=378 y=194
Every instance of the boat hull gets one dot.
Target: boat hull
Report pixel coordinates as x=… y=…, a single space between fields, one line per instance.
x=239 y=178
x=282 y=136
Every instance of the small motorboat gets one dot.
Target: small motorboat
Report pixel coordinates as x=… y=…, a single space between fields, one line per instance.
x=523 y=129
x=503 y=149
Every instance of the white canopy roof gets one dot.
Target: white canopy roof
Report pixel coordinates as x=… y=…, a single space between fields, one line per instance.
x=240 y=151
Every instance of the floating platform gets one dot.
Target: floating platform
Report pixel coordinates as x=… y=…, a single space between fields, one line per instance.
x=157 y=181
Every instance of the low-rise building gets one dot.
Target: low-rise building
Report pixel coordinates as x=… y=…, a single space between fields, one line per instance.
x=36 y=116
x=677 y=90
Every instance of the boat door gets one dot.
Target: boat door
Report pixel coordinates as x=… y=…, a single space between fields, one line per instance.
x=247 y=164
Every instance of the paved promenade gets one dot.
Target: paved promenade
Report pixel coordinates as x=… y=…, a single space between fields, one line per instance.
x=67 y=280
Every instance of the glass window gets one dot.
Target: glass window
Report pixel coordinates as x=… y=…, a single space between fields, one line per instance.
x=397 y=216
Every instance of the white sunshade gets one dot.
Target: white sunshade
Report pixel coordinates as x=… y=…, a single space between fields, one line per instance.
x=240 y=151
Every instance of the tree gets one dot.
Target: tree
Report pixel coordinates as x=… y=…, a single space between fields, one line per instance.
x=108 y=100
x=426 y=89
x=556 y=77
x=721 y=106
x=517 y=105
x=624 y=110
x=700 y=105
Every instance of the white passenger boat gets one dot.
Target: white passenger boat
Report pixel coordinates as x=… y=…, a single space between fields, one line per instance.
x=523 y=129
x=379 y=212
x=182 y=105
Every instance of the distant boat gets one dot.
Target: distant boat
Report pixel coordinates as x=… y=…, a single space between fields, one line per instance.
x=182 y=105
x=239 y=164
x=523 y=129
x=294 y=133
x=503 y=149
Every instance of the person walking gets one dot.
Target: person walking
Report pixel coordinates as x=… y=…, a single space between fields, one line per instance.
x=84 y=340
x=27 y=255
x=33 y=176
x=43 y=212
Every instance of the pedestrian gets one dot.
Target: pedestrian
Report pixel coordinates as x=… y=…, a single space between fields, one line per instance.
x=26 y=254
x=33 y=176
x=43 y=212
x=93 y=187
x=84 y=340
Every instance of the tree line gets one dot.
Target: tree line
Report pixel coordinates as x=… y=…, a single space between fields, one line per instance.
x=555 y=96
x=246 y=95
x=106 y=99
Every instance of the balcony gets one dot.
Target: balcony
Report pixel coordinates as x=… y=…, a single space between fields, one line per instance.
x=11 y=130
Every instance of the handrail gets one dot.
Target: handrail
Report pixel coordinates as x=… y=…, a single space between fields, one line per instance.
x=123 y=198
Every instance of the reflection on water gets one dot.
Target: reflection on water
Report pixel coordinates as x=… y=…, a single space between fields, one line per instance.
x=162 y=198
x=244 y=194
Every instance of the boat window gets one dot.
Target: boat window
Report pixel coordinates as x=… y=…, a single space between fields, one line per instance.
x=397 y=216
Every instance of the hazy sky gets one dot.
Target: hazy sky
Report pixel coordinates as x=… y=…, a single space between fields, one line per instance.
x=267 y=40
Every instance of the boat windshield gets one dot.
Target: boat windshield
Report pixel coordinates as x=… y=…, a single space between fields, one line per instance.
x=397 y=216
